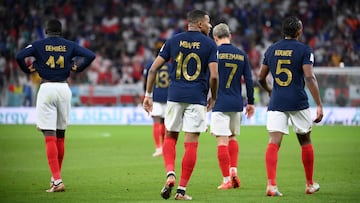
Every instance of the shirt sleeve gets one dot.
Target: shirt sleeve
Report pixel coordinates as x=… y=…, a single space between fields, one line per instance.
x=20 y=57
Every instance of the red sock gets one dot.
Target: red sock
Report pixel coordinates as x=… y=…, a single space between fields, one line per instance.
x=169 y=153
x=157 y=134
x=162 y=127
x=271 y=157
x=224 y=160
x=61 y=150
x=188 y=162
x=52 y=156
x=308 y=162
x=233 y=152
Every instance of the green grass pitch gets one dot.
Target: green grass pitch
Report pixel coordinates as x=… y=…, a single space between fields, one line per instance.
x=114 y=164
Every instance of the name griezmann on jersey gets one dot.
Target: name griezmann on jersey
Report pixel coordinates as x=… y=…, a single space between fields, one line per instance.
x=231 y=56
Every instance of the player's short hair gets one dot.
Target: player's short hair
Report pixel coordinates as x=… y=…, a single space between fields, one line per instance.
x=53 y=26
x=221 y=30
x=195 y=16
x=290 y=26
x=157 y=46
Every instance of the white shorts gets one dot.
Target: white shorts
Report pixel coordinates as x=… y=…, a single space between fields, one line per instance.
x=53 y=106
x=279 y=121
x=186 y=117
x=225 y=123
x=158 y=109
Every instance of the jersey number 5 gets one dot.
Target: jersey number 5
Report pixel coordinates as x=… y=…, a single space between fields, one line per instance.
x=51 y=61
x=280 y=69
x=182 y=64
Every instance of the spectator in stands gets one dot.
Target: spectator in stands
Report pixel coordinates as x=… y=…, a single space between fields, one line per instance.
x=331 y=24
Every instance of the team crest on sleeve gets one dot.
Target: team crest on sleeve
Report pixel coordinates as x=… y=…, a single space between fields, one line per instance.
x=312 y=58
x=162 y=47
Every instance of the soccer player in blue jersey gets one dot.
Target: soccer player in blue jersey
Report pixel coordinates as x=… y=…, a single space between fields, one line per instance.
x=193 y=72
x=54 y=60
x=227 y=112
x=159 y=103
x=291 y=65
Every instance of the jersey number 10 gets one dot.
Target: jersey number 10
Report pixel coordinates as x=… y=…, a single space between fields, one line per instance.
x=182 y=64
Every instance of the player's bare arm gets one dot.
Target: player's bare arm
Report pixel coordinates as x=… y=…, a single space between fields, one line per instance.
x=312 y=84
x=264 y=71
x=148 y=102
x=214 y=84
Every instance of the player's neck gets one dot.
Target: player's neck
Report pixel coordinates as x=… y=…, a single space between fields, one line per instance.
x=223 y=41
x=53 y=35
x=292 y=38
x=193 y=28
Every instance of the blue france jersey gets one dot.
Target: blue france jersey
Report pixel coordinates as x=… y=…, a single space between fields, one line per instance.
x=161 y=82
x=285 y=60
x=190 y=53
x=233 y=65
x=55 y=58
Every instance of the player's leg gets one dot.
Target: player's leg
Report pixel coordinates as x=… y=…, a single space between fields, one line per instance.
x=235 y=122
x=220 y=128
x=157 y=114
x=173 y=123
x=277 y=126
x=187 y=164
x=60 y=144
x=169 y=150
x=163 y=131
x=157 y=128
x=224 y=161
x=302 y=125
x=307 y=155
x=194 y=119
x=64 y=108
x=52 y=153
x=62 y=103
x=46 y=111
x=162 y=122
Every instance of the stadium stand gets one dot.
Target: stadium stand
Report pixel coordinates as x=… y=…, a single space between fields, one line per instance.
x=123 y=34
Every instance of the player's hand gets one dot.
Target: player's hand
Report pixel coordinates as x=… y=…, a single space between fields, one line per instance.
x=319 y=114
x=269 y=92
x=210 y=104
x=32 y=68
x=74 y=67
x=250 y=110
x=148 y=104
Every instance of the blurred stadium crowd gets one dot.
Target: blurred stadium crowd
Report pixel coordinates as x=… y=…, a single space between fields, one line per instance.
x=125 y=33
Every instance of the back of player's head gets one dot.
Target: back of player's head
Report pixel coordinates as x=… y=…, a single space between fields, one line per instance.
x=53 y=26
x=195 y=16
x=221 y=31
x=290 y=26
